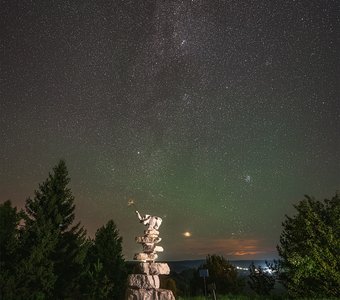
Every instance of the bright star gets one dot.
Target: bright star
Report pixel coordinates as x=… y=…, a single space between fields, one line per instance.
x=187 y=234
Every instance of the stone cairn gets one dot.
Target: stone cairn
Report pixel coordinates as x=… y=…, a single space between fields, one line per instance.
x=145 y=283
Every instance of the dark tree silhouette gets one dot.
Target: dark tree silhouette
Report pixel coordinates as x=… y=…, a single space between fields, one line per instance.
x=9 y=249
x=106 y=266
x=44 y=254
x=260 y=281
x=223 y=274
x=309 y=249
x=51 y=235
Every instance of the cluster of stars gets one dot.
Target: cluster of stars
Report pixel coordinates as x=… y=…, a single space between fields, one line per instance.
x=219 y=115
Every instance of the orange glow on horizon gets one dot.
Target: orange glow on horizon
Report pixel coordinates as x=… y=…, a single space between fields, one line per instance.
x=226 y=247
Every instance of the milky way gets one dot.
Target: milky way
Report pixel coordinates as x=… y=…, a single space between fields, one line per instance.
x=217 y=116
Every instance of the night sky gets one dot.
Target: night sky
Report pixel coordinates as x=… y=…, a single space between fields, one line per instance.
x=217 y=116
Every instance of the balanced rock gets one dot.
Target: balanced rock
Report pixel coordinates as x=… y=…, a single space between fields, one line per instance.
x=143 y=294
x=153 y=268
x=145 y=284
x=142 y=281
x=164 y=295
x=151 y=233
x=148 y=248
x=145 y=256
x=151 y=248
x=147 y=239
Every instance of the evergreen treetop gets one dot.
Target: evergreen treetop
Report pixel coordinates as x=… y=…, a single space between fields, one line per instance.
x=54 y=201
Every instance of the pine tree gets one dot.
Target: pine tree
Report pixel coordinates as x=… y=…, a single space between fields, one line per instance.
x=35 y=272
x=96 y=284
x=107 y=268
x=9 y=249
x=52 y=236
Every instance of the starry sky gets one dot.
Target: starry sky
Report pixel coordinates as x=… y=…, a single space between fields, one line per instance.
x=217 y=116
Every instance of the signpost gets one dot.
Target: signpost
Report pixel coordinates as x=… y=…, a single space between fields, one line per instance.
x=204 y=273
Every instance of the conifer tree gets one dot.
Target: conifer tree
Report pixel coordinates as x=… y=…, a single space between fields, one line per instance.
x=9 y=249
x=35 y=272
x=106 y=262
x=50 y=228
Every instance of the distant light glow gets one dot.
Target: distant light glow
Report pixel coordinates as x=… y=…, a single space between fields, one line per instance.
x=187 y=234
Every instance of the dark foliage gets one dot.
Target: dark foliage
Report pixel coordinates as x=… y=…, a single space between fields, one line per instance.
x=106 y=270
x=261 y=281
x=309 y=249
x=9 y=249
x=222 y=274
x=45 y=255
x=183 y=281
x=168 y=283
x=50 y=226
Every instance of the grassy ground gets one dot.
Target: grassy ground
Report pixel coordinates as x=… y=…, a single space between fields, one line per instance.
x=219 y=298
x=228 y=297
x=242 y=297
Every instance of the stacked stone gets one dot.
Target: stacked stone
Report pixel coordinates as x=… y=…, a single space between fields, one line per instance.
x=148 y=241
x=145 y=283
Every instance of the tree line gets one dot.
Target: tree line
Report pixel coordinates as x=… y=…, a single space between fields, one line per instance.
x=309 y=264
x=45 y=254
